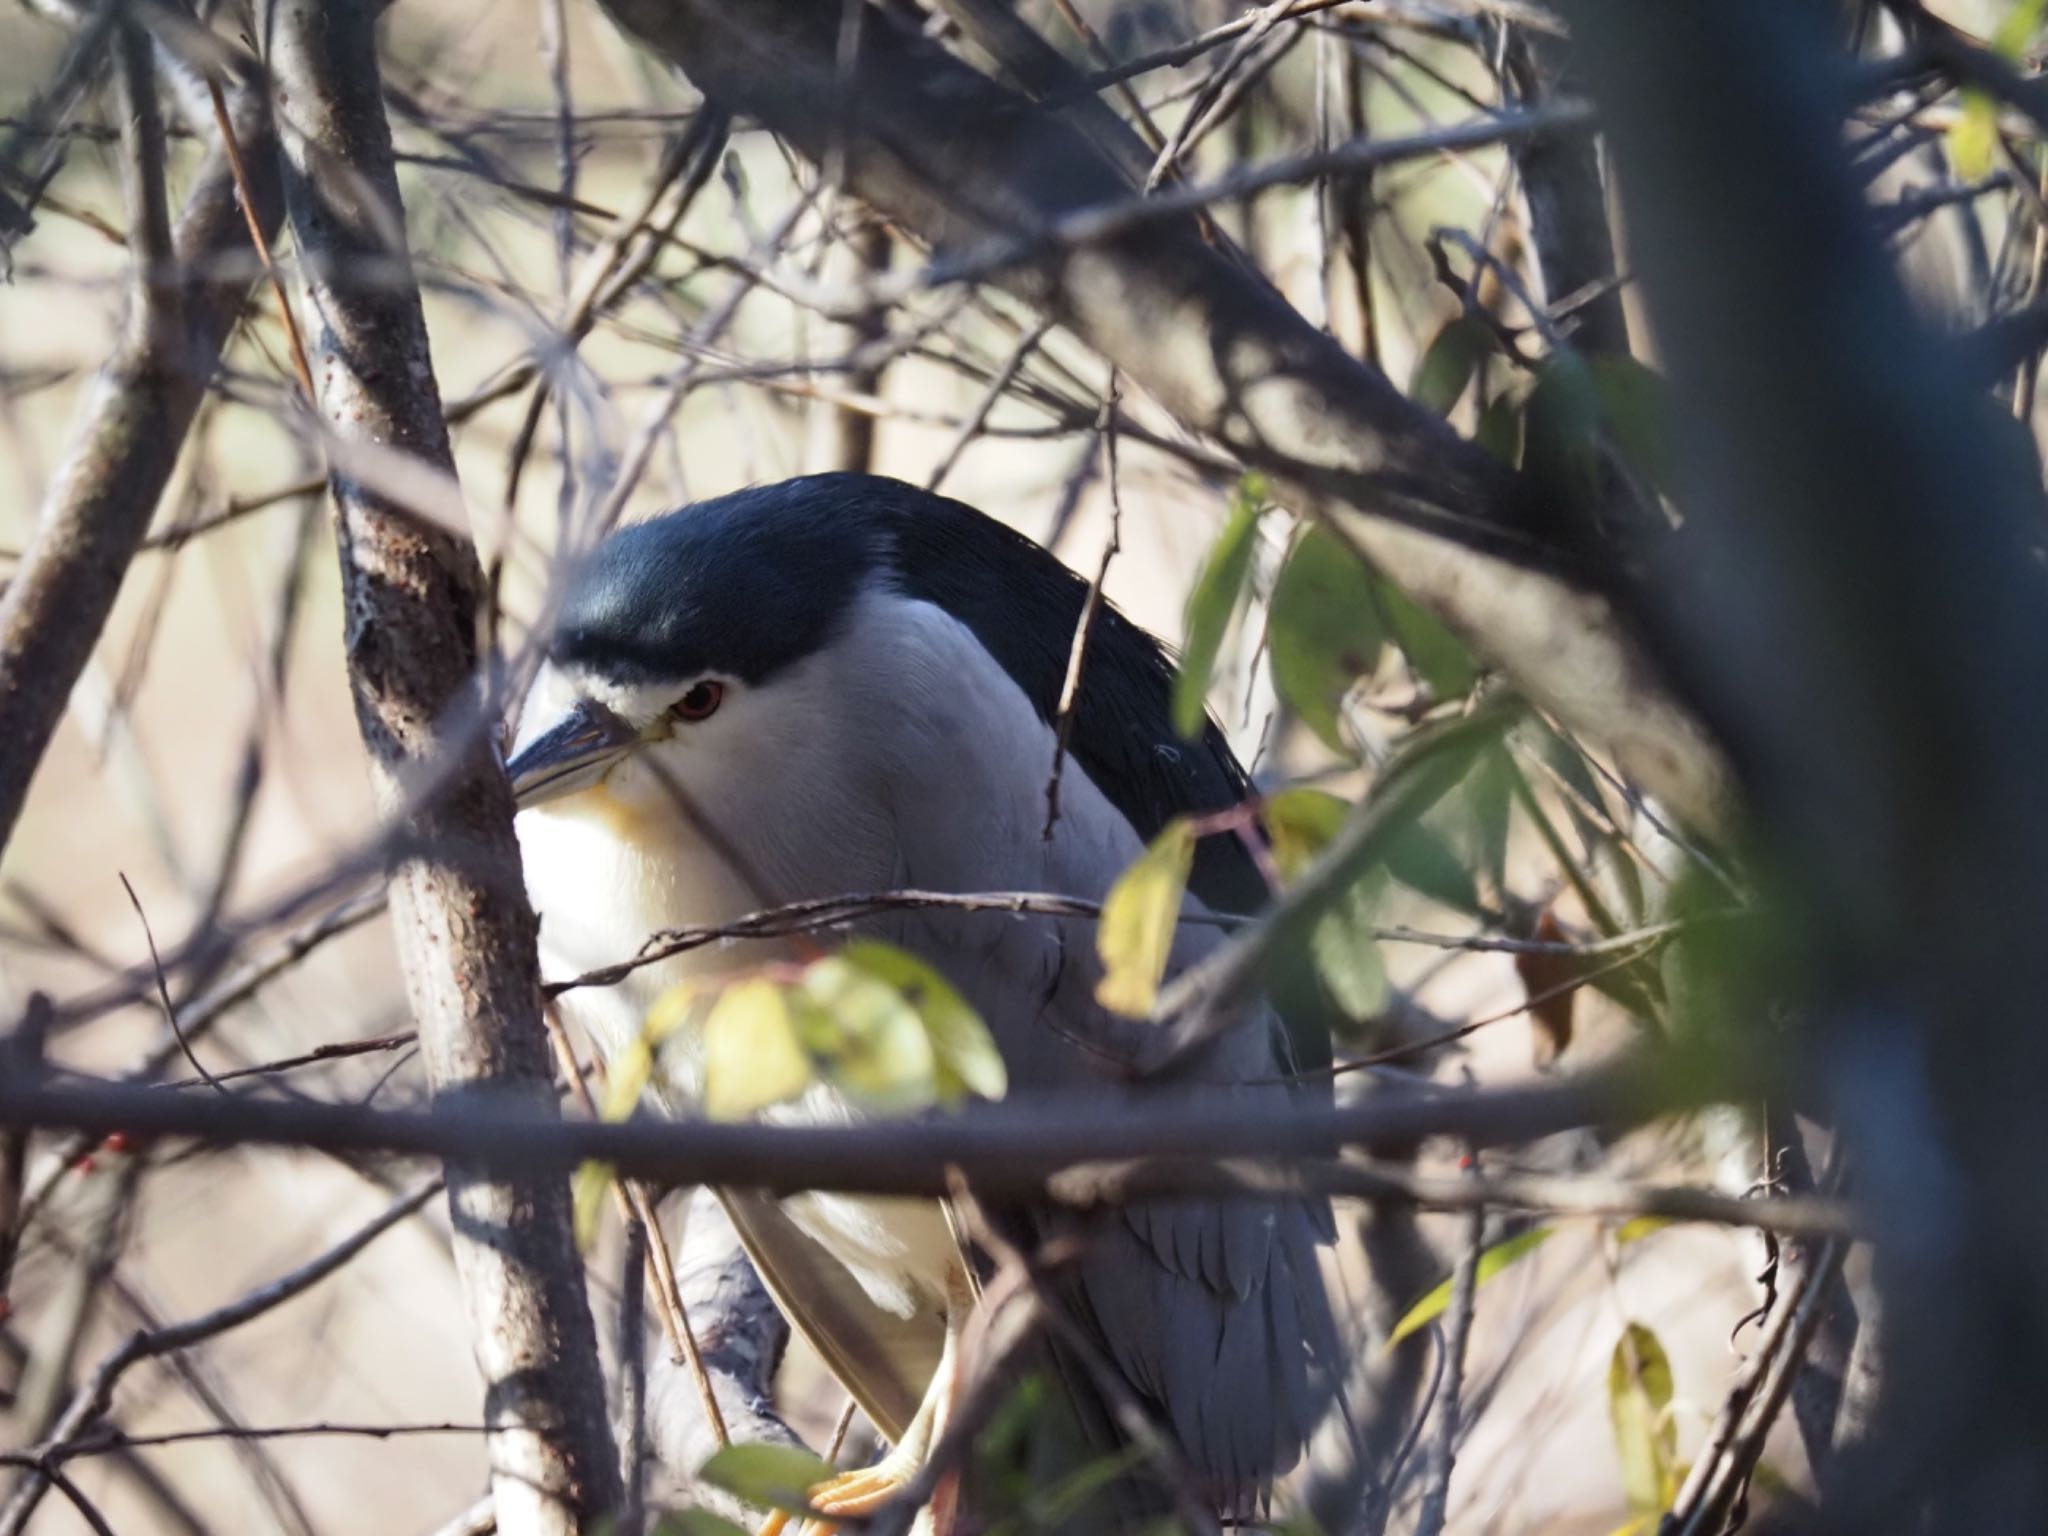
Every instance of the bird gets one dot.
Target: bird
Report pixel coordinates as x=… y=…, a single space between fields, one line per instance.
x=841 y=683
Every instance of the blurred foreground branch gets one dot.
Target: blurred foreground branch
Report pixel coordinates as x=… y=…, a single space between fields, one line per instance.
x=1063 y=1151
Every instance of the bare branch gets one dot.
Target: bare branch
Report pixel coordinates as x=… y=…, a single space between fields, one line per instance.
x=92 y=1401
x=123 y=447
x=1006 y=1150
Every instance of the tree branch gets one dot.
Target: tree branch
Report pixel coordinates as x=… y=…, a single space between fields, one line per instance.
x=1007 y=1150
x=464 y=927
x=124 y=445
x=957 y=159
x=741 y=1334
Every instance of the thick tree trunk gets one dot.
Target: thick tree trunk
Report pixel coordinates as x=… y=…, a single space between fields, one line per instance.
x=465 y=928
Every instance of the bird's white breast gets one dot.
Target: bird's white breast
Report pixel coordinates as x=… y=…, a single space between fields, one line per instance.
x=903 y=756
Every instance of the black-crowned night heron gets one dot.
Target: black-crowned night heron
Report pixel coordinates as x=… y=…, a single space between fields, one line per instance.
x=842 y=684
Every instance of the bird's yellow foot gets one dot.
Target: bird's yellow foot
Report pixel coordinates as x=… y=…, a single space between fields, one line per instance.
x=850 y=1495
x=860 y=1492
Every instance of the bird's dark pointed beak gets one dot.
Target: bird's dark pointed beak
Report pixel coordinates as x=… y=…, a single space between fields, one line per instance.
x=569 y=755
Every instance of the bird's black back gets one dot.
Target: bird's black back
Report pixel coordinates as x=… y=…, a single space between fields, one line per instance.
x=751 y=582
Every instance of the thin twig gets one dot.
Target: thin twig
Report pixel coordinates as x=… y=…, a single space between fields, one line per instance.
x=164 y=991
x=92 y=1400
x=1077 y=658
x=636 y=1207
x=1443 y=1451
x=633 y=1379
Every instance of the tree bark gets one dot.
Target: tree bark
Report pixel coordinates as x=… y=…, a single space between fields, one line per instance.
x=741 y=1335
x=123 y=448
x=465 y=929
x=957 y=159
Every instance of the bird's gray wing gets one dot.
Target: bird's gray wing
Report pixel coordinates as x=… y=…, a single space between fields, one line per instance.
x=1217 y=1314
x=885 y=1361
x=1213 y=1311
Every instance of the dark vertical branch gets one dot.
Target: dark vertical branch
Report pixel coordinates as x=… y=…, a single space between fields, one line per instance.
x=465 y=929
x=1567 y=198
x=843 y=436
x=126 y=439
x=1865 y=613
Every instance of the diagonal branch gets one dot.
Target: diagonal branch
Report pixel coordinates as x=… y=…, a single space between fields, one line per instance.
x=958 y=160
x=122 y=450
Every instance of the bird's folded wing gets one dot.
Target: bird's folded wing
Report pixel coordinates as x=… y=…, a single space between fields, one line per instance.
x=885 y=1361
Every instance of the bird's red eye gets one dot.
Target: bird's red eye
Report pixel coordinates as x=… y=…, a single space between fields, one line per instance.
x=700 y=703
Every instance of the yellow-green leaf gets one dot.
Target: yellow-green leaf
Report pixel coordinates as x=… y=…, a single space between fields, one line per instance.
x=1300 y=823
x=592 y=1183
x=752 y=1056
x=1639 y=1403
x=1214 y=601
x=633 y=1068
x=964 y=1053
x=1491 y=1263
x=1973 y=137
x=1636 y=1228
x=2021 y=22
x=865 y=1035
x=1135 y=938
x=778 y=1476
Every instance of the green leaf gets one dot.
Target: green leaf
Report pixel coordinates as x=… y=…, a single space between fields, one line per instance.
x=1439 y=657
x=1639 y=1403
x=753 y=1056
x=1500 y=428
x=1489 y=797
x=865 y=1035
x=1342 y=945
x=1217 y=594
x=1448 y=363
x=777 y=1476
x=1560 y=441
x=1135 y=937
x=1300 y=823
x=1346 y=951
x=964 y=1053
x=1491 y=1262
x=1325 y=631
x=1635 y=406
x=1422 y=858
